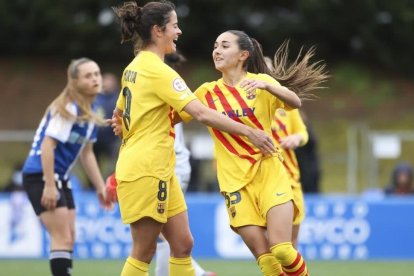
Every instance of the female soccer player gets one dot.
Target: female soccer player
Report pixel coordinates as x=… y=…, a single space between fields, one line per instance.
x=149 y=195
x=256 y=187
x=66 y=131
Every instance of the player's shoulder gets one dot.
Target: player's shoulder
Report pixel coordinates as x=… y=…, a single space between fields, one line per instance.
x=205 y=87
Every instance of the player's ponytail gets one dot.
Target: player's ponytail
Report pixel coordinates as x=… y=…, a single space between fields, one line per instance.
x=301 y=76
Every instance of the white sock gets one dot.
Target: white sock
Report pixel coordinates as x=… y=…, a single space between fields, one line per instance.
x=163 y=254
x=162 y=257
x=198 y=269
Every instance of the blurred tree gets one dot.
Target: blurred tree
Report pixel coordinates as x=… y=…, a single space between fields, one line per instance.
x=374 y=31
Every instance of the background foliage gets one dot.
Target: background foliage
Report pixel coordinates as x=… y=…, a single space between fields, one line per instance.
x=374 y=31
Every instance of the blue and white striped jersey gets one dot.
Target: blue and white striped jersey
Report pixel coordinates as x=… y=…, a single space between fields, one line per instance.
x=71 y=137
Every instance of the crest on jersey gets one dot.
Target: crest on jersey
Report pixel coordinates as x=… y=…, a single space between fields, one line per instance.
x=250 y=95
x=281 y=112
x=232 y=210
x=161 y=208
x=179 y=84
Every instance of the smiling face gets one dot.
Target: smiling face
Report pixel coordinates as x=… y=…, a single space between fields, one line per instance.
x=170 y=34
x=89 y=79
x=227 y=54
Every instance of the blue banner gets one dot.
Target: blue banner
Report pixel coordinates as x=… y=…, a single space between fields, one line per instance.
x=335 y=228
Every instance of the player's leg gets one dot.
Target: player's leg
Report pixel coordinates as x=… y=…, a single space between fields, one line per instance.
x=142 y=205
x=275 y=203
x=178 y=235
x=177 y=232
x=246 y=219
x=299 y=214
x=162 y=258
x=279 y=220
x=255 y=239
x=58 y=225
x=144 y=234
x=295 y=235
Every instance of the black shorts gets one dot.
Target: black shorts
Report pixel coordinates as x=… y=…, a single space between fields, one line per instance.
x=33 y=184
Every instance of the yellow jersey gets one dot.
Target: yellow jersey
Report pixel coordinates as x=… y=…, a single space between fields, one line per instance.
x=150 y=91
x=237 y=158
x=286 y=123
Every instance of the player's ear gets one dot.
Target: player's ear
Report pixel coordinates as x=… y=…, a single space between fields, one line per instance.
x=244 y=55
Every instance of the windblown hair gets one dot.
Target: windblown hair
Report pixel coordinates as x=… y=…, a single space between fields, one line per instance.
x=300 y=76
x=71 y=93
x=136 y=22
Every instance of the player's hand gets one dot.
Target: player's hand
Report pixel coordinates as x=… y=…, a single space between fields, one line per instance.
x=116 y=123
x=291 y=142
x=50 y=196
x=260 y=139
x=249 y=85
x=104 y=200
x=110 y=188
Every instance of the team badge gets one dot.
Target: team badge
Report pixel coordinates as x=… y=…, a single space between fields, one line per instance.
x=179 y=85
x=281 y=112
x=161 y=208
x=251 y=94
x=232 y=211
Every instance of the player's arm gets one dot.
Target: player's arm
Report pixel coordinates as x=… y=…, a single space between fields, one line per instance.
x=299 y=135
x=50 y=192
x=90 y=165
x=283 y=93
x=216 y=120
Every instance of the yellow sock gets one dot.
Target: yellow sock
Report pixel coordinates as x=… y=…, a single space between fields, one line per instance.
x=181 y=267
x=290 y=259
x=133 y=267
x=269 y=266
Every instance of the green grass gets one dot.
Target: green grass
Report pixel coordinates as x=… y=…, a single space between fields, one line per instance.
x=221 y=267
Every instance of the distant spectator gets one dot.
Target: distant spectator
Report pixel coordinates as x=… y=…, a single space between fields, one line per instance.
x=401 y=180
x=17 y=201
x=107 y=145
x=308 y=161
x=16 y=181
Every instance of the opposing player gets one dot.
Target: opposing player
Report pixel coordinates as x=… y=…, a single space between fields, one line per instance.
x=149 y=195
x=66 y=132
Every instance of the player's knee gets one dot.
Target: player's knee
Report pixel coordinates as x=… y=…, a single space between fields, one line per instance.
x=280 y=251
x=63 y=242
x=183 y=247
x=144 y=254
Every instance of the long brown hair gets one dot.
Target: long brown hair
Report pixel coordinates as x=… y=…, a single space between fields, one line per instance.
x=300 y=76
x=136 y=22
x=71 y=93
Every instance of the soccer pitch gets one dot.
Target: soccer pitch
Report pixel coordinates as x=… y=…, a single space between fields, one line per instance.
x=221 y=267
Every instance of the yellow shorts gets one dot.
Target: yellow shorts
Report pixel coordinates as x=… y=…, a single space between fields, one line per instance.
x=299 y=203
x=150 y=197
x=271 y=186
